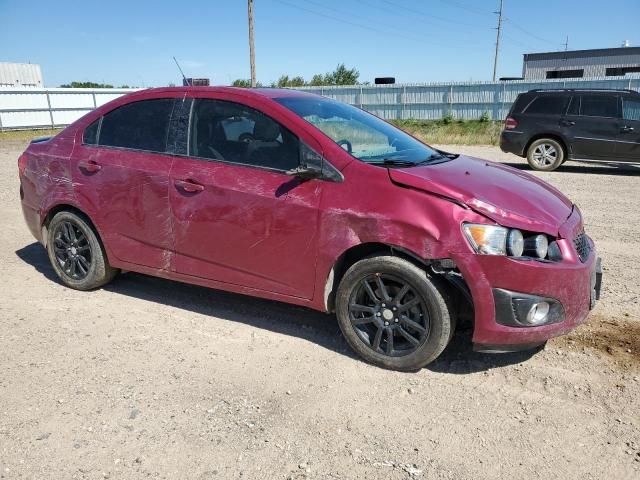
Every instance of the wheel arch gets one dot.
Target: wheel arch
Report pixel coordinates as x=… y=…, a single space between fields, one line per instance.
x=68 y=207
x=356 y=253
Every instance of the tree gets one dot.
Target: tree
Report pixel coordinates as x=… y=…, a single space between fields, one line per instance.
x=86 y=85
x=244 y=83
x=342 y=76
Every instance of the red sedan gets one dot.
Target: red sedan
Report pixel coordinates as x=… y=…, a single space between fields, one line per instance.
x=298 y=198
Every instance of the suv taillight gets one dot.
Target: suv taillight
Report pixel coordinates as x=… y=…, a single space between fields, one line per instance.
x=510 y=123
x=22 y=163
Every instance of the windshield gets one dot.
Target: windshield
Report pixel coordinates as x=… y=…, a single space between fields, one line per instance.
x=363 y=135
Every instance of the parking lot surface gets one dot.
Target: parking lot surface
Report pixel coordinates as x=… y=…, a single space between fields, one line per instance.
x=149 y=378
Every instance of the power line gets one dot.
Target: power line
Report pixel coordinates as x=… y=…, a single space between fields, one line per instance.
x=465 y=7
x=366 y=27
x=428 y=15
x=532 y=35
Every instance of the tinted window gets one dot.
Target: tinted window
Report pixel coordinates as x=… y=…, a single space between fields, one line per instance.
x=599 y=106
x=630 y=109
x=565 y=73
x=90 y=135
x=140 y=125
x=548 y=105
x=236 y=133
x=574 y=106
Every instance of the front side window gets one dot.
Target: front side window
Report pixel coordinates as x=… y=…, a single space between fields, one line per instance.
x=548 y=105
x=232 y=132
x=599 y=106
x=140 y=125
x=363 y=135
x=630 y=109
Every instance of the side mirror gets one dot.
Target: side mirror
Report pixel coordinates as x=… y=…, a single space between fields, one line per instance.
x=305 y=172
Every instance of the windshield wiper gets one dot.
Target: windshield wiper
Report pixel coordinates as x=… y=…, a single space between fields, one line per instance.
x=390 y=162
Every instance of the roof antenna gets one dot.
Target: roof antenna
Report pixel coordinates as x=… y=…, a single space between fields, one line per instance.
x=186 y=81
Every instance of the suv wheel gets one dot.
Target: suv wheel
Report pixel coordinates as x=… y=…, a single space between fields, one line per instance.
x=393 y=313
x=76 y=254
x=545 y=154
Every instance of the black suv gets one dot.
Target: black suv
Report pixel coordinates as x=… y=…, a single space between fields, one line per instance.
x=549 y=127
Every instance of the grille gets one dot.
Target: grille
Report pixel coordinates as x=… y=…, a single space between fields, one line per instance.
x=582 y=246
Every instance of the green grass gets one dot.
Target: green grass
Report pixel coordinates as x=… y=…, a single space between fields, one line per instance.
x=26 y=135
x=443 y=132
x=453 y=132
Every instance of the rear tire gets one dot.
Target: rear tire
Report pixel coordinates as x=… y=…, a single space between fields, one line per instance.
x=76 y=254
x=545 y=155
x=401 y=321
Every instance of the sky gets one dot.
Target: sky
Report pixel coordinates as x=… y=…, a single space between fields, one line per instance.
x=416 y=41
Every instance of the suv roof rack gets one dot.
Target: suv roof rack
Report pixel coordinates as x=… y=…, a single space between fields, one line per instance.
x=627 y=90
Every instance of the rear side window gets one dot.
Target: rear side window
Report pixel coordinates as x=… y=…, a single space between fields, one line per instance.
x=140 y=125
x=630 y=109
x=599 y=106
x=548 y=105
x=90 y=135
x=521 y=102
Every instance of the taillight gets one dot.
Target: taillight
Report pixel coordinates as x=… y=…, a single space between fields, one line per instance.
x=22 y=163
x=510 y=123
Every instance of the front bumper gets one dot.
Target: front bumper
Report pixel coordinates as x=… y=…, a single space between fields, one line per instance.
x=574 y=284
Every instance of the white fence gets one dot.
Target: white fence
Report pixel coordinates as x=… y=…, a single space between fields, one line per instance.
x=22 y=108
x=54 y=107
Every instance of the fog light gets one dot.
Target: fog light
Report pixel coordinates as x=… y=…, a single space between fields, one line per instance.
x=538 y=313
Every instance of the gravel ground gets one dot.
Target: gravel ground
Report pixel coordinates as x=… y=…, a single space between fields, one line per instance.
x=149 y=378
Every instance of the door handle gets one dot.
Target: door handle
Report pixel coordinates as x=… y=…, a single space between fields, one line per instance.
x=567 y=123
x=189 y=186
x=626 y=129
x=90 y=166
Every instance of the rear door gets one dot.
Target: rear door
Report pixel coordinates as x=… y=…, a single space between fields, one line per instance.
x=237 y=217
x=591 y=125
x=121 y=175
x=628 y=143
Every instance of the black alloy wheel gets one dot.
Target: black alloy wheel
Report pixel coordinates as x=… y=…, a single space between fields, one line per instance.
x=72 y=250
x=388 y=315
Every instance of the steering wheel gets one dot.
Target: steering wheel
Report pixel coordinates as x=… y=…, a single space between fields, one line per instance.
x=347 y=143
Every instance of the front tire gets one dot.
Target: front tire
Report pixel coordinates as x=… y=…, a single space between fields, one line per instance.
x=393 y=314
x=76 y=254
x=545 y=155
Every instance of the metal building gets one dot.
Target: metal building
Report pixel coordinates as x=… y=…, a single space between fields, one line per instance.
x=598 y=63
x=20 y=75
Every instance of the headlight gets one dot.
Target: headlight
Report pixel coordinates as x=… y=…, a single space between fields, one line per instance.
x=515 y=243
x=497 y=240
x=487 y=239
x=537 y=245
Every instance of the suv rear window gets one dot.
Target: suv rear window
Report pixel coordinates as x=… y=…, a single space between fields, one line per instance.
x=599 y=106
x=548 y=105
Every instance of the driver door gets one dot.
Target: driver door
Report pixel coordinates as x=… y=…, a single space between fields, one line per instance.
x=237 y=217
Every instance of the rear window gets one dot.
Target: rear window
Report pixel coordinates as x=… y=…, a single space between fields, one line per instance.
x=599 y=106
x=548 y=105
x=140 y=125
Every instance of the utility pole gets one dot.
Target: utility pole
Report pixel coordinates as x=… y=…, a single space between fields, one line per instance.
x=495 y=59
x=252 y=56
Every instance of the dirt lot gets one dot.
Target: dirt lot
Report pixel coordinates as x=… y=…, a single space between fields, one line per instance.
x=153 y=379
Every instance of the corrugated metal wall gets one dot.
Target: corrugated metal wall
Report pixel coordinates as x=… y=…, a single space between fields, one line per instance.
x=31 y=108
x=20 y=75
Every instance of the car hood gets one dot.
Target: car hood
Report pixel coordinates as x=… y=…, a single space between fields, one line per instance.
x=506 y=195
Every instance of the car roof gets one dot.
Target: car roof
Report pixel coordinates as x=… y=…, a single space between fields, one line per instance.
x=582 y=90
x=248 y=92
